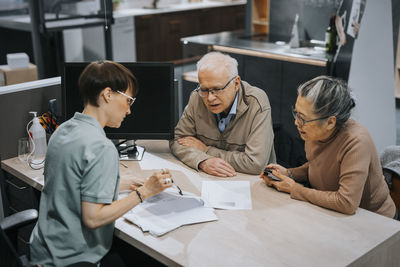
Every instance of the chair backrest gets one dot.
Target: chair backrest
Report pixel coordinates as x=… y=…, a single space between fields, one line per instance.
x=390 y=161
x=395 y=190
x=9 y=256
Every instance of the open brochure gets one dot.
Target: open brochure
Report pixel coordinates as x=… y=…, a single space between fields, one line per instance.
x=168 y=210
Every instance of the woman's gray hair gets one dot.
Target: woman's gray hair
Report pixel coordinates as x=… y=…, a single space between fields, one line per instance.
x=330 y=97
x=214 y=61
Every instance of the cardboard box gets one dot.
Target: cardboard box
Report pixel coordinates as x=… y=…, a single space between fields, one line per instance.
x=10 y=76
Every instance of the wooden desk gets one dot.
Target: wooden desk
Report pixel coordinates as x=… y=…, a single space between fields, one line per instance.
x=278 y=231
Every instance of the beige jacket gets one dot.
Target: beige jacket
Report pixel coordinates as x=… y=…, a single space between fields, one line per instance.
x=247 y=142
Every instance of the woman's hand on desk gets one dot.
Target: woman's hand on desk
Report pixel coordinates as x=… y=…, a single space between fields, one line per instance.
x=285 y=185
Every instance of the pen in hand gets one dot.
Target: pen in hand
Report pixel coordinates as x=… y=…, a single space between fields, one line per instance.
x=173 y=183
x=168 y=180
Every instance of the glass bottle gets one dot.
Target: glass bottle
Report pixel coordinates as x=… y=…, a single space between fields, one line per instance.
x=331 y=36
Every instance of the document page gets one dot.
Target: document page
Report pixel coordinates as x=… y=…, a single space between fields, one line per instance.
x=229 y=195
x=169 y=210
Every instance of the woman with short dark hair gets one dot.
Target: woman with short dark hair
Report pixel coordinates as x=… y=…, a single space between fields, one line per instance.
x=78 y=204
x=343 y=166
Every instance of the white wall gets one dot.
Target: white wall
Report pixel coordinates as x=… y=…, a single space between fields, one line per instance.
x=85 y=44
x=372 y=75
x=93 y=43
x=123 y=39
x=73 y=44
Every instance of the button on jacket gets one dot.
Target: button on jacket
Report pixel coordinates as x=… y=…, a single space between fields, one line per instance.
x=246 y=143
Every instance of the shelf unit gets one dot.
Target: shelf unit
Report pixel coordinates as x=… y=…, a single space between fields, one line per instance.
x=260 y=16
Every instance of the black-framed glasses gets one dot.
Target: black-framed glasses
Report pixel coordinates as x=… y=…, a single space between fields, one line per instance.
x=215 y=92
x=302 y=121
x=130 y=99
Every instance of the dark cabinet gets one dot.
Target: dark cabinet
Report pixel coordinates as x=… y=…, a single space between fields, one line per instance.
x=173 y=26
x=232 y=18
x=158 y=36
x=207 y=21
x=266 y=74
x=280 y=80
x=147 y=32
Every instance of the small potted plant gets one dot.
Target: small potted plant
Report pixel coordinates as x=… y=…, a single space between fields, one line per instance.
x=116 y=3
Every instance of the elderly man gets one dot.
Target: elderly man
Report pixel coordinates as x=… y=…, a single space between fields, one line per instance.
x=226 y=126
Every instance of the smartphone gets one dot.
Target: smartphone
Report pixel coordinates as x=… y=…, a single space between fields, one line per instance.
x=268 y=173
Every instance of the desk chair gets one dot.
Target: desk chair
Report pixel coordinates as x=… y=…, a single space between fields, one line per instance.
x=390 y=161
x=395 y=190
x=8 y=227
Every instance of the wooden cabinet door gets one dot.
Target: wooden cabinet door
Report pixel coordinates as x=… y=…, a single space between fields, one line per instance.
x=158 y=37
x=147 y=32
x=174 y=26
x=266 y=74
x=207 y=20
x=232 y=18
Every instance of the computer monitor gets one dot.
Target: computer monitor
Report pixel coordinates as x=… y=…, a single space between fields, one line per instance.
x=154 y=113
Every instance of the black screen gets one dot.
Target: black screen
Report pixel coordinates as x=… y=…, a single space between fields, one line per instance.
x=153 y=113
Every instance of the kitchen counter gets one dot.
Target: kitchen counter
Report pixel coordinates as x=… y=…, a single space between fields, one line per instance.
x=268 y=47
x=128 y=12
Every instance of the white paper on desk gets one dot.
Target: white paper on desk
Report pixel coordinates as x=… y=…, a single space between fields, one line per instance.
x=229 y=195
x=169 y=210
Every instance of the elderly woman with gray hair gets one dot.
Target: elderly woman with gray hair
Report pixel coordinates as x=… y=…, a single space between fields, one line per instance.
x=343 y=167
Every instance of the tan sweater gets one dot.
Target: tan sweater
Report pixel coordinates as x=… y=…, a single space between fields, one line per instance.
x=344 y=173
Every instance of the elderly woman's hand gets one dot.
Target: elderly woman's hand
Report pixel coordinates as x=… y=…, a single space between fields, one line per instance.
x=278 y=168
x=285 y=185
x=157 y=183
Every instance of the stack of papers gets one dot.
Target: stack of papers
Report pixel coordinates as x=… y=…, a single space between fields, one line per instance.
x=228 y=195
x=169 y=210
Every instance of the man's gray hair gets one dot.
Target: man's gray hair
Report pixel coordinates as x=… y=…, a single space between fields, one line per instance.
x=330 y=97
x=215 y=61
